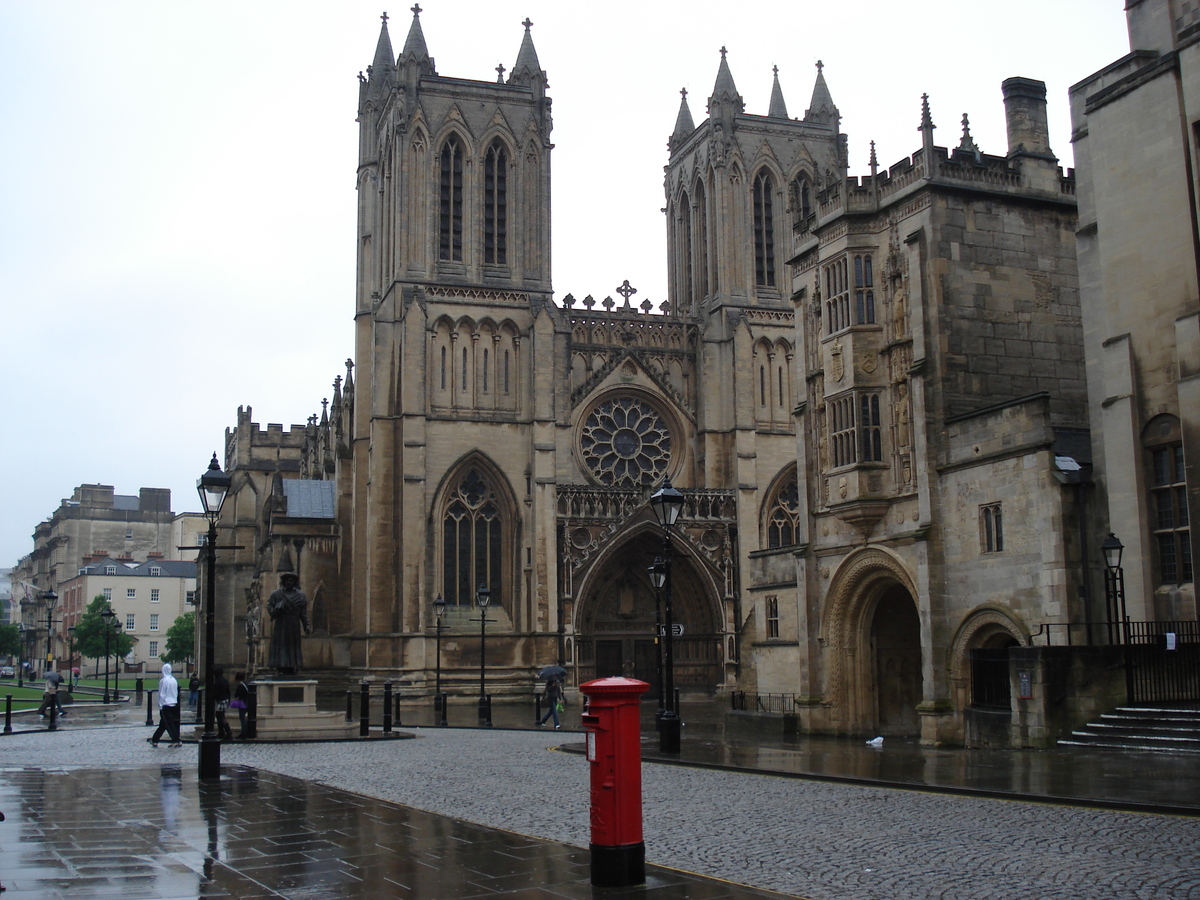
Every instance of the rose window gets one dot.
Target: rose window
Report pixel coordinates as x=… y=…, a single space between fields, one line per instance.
x=626 y=443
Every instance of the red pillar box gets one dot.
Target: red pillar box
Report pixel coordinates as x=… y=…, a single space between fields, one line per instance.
x=614 y=753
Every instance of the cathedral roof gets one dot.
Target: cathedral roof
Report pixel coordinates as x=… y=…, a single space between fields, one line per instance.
x=778 y=108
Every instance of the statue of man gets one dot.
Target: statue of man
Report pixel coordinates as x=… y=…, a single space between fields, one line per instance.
x=288 y=608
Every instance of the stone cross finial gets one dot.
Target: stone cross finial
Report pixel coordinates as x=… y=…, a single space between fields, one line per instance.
x=500 y=74
x=626 y=290
x=416 y=10
x=384 y=17
x=683 y=93
x=723 y=52
x=775 y=71
x=820 y=66
x=527 y=23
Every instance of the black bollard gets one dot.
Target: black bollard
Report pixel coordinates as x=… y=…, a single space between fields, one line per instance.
x=8 y=713
x=537 y=708
x=387 y=707
x=251 y=731
x=396 y=717
x=149 y=707
x=364 y=710
x=488 y=712
x=349 y=706
x=200 y=707
x=53 y=713
x=140 y=685
x=445 y=703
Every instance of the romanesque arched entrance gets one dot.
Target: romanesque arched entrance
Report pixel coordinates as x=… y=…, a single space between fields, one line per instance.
x=615 y=622
x=896 y=660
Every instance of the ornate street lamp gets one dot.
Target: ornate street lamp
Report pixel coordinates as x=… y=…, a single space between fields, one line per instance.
x=667 y=504
x=1114 y=587
x=483 y=597
x=212 y=486
x=108 y=615
x=439 y=702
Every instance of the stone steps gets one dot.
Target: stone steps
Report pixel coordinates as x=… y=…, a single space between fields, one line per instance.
x=1141 y=728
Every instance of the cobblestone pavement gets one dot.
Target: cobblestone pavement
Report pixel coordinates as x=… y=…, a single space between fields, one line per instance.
x=803 y=838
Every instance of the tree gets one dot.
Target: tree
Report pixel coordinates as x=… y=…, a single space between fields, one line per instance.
x=89 y=633
x=181 y=640
x=10 y=640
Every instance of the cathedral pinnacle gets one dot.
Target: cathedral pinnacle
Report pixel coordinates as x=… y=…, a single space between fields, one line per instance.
x=926 y=117
x=415 y=51
x=821 y=107
x=683 y=122
x=725 y=91
x=528 y=70
x=383 y=68
x=968 y=143
x=777 y=109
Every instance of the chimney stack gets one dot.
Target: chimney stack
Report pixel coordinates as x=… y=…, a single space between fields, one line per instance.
x=1025 y=114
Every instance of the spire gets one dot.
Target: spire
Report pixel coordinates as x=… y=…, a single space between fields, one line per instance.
x=821 y=106
x=528 y=70
x=874 y=161
x=926 y=128
x=725 y=94
x=778 y=109
x=383 y=68
x=967 y=144
x=415 y=52
x=683 y=122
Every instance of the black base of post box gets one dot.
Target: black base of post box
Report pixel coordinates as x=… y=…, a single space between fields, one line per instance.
x=622 y=866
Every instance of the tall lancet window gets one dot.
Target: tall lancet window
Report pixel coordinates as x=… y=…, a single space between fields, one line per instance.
x=495 y=205
x=700 y=233
x=472 y=540
x=764 y=230
x=451 y=201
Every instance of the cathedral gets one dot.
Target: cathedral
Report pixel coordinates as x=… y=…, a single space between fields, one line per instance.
x=869 y=390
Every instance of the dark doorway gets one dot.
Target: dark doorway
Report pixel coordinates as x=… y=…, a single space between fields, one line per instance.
x=645 y=667
x=608 y=659
x=896 y=638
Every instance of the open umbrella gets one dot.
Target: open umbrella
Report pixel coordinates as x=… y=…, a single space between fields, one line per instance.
x=550 y=672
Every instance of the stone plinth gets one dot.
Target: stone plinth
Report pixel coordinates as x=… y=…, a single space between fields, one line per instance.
x=287 y=710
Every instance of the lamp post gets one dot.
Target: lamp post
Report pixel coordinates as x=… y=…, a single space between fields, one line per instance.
x=50 y=599
x=71 y=656
x=108 y=616
x=658 y=577
x=439 y=702
x=1114 y=585
x=483 y=597
x=667 y=503
x=21 y=655
x=212 y=486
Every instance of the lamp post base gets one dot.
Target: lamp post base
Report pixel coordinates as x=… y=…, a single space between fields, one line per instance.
x=668 y=732
x=210 y=757
x=485 y=712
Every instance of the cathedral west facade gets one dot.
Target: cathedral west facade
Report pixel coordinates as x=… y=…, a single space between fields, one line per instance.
x=869 y=391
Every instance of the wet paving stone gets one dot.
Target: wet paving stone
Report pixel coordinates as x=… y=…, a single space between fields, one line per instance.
x=86 y=833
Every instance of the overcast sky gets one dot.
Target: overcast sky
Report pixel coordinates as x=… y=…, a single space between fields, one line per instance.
x=177 y=182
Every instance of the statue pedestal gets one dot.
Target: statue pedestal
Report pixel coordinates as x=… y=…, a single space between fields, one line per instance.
x=287 y=711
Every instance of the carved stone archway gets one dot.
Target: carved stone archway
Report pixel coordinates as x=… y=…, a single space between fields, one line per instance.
x=863 y=581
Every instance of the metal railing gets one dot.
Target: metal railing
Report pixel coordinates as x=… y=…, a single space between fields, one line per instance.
x=770 y=703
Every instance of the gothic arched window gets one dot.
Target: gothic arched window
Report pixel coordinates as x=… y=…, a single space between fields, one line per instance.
x=450 y=198
x=495 y=205
x=783 y=513
x=764 y=230
x=472 y=540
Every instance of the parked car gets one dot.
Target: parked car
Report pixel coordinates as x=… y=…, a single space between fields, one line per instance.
x=8 y=672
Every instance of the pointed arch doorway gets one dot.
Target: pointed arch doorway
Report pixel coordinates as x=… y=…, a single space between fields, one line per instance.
x=615 y=623
x=896 y=648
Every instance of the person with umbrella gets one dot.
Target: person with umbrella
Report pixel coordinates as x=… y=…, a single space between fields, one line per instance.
x=553 y=676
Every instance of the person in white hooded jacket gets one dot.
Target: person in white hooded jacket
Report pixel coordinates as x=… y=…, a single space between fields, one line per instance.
x=168 y=708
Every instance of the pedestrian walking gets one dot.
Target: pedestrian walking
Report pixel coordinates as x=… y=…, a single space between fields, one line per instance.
x=168 y=708
x=221 y=698
x=193 y=691
x=240 y=702
x=50 y=694
x=553 y=697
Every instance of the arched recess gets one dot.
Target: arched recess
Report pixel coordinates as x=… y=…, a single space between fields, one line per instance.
x=873 y=648
x=781 y=512
x=986 y=628
x=476 y=534
x=614 y=618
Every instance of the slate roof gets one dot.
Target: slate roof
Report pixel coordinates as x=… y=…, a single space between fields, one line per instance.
x=309 y=499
